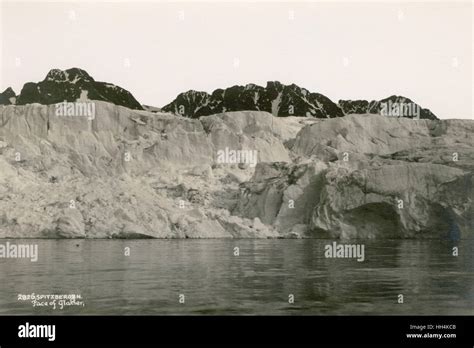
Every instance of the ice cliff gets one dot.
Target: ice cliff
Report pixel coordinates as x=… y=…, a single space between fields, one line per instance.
x=136 y=174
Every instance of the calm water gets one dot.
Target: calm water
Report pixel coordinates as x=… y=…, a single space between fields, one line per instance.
x=214 y=281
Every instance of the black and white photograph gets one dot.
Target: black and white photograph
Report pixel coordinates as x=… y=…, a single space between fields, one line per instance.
x=265 y=159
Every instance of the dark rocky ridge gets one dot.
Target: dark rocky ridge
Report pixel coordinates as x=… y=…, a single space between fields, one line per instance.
x=7 y=97
x=69 y=85
x=277 y=99
x=374 y=107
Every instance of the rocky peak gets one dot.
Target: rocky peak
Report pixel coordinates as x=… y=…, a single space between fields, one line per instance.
x=70 y=85
x=70 y=75
x=275 y=85
x=9 y=91
x=7 y=97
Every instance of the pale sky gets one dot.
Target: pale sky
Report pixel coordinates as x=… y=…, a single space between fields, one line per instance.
x=351 y=50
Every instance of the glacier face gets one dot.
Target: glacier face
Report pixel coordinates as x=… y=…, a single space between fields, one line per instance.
x=138 y=174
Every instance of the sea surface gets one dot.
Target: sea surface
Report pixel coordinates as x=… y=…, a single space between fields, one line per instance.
x=261 y=279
